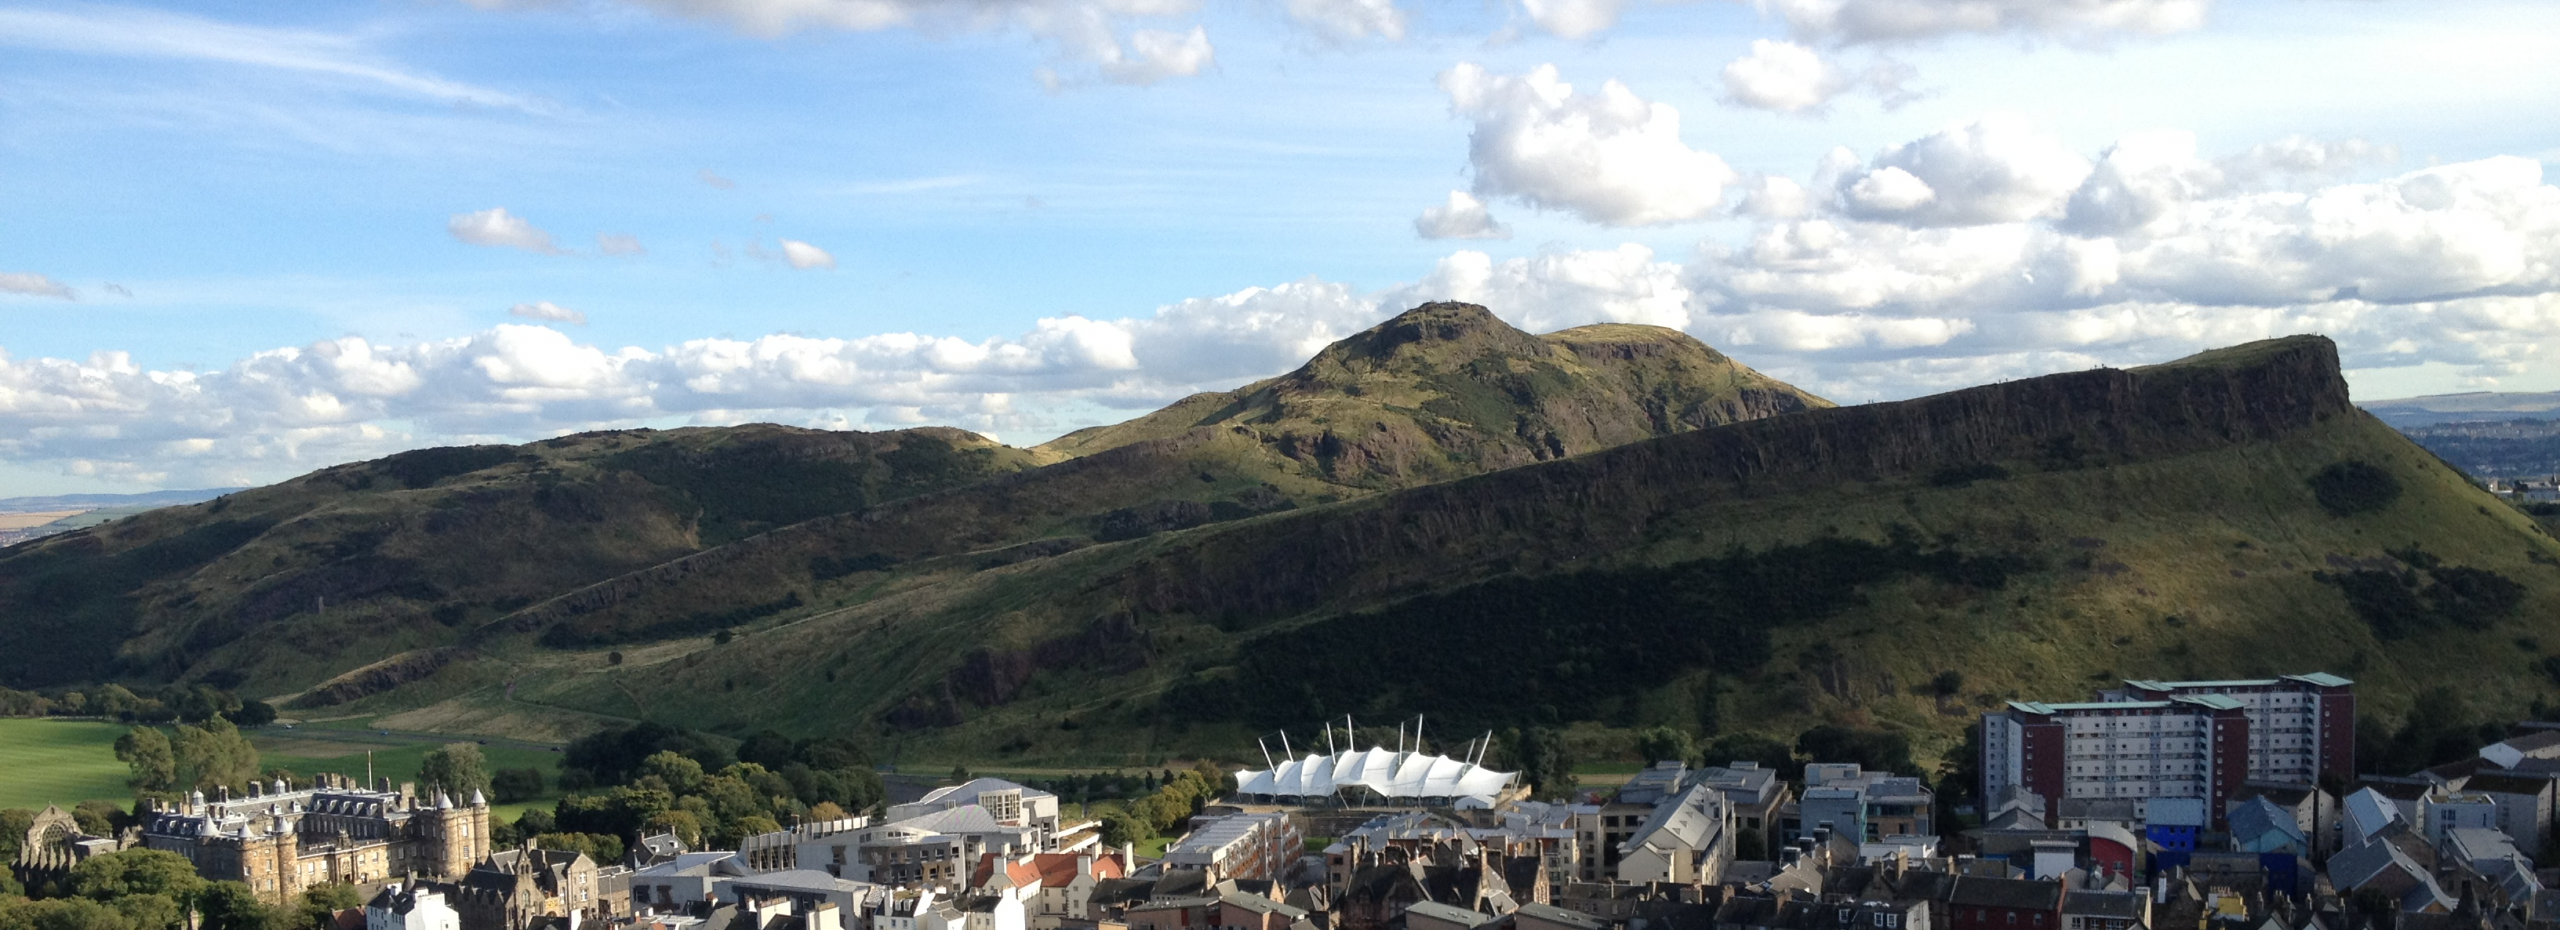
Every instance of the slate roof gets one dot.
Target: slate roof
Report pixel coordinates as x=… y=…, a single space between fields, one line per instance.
x=2014 y=893
x=1456 y=915
x=1557 y=915
x=2257 y=817
x=2113 y=905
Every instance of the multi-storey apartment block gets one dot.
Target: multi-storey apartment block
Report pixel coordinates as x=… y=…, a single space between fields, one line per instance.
x=2173 y=739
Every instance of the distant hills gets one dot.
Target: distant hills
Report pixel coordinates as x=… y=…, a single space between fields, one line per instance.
x=2474 y=406
x=96 y=501
x=2488 y=434
x=1605 y=529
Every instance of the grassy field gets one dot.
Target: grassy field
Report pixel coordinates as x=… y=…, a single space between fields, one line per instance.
x=59 y=762
x=397 y=759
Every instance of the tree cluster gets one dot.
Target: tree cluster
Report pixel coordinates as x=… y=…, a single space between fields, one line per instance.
x=212 y=755
x=669 y=791
x=185 y=703
x=149 y=889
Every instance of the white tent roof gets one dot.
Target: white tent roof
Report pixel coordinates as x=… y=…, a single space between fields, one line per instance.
x=1387 y=772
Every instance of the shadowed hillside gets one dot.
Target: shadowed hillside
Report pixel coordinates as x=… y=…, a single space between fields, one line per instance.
x=2227 y=514
x=281 y=586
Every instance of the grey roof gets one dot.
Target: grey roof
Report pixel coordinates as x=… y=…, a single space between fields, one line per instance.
x=2354 y=866
x=2507 y=781
x=1684 y=820
x=1451 y=913
x=2121 y=905
x=1897 y=787
x=2258 y=816
x=967 y=792
x=812 y=880
x=966 y=819
x=2096 y=809
x=1557 y=915
x=2021 y=893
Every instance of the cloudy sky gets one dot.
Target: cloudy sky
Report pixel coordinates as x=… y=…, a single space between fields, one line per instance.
x=242 y=241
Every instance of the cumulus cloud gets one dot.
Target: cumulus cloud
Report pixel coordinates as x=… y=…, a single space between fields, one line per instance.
x=1609 y=157
x=1782 y=76
x=1086 y=31
x=1156 y=54
x=1347 y=20
x=1996 y=169
x=1573 y=19
x=30 y=284
x=1463 y=217
x=618 y=244
x=1852 y=22
x=1557 y=290
x=546 y=310
x=497 y=227
x=804 y=256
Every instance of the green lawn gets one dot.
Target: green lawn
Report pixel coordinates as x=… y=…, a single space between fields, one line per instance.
x=59 y=762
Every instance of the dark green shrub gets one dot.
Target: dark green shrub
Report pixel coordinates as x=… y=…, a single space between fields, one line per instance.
x=2353 y=487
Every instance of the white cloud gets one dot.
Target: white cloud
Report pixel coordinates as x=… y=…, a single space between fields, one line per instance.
x=1851 y=22
x=1156 y=54
x=141 y=33
x=1557 y=290
x=1782 y=76
x=1463 y=217
x=1609 y=157
x=1087 y=31
x=1347 y=20
x=619 y=244
x=804 y=256
x=546 y=310
x=497 y=227
x=30 y=284
x=1573 y=19
x=713 y=179
x=1995 y=169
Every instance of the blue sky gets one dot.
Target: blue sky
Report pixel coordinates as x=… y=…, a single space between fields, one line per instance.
x=243 y=241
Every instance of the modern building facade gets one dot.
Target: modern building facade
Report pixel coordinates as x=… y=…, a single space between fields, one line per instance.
x=2173 y=739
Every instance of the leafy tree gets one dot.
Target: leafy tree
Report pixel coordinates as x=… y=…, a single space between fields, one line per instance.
x=1948 y=683
x=150 y=911
x=960 y=774
x=826 y=810
x=1664 y=744
x=605 y=850
x=535 y=822
x=769 y=749
x=100 y=818
x=136 y=871
x=1121 y=827
x=1711 y=705
x=1872 y=750
x=457 y=769
x=146 y=751
x=319 y=906
x=747 y=826
x=253 y=714
x=1545 y=762
x=2353 y=487
x=14 y=822
x=683 y=824
x=509 y=786
x=232 y=906
x=680 y=774
x=214 y=754
x=61 y=914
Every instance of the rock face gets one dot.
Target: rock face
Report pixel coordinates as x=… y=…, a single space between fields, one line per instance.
x=1430 y=536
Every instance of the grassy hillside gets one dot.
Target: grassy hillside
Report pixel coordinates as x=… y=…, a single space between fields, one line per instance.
x=1439 y=392
x=2042 y=537
x=276 y=588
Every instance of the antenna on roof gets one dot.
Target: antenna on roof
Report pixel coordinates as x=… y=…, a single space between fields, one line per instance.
x=1350 y=741
x=1399 y=736
x=1328 y=737
x=1266 y=753
x=1417 y=732
x=1486 y=748
x=1284 y=745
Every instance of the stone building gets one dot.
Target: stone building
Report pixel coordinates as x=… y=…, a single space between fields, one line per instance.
x=523 y=888
x=279 y=839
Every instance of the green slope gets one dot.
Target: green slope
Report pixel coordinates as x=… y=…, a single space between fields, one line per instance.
x=2043 y=536
x=276 y=588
